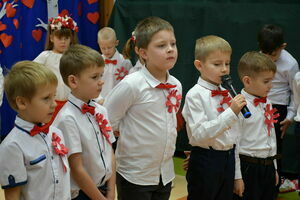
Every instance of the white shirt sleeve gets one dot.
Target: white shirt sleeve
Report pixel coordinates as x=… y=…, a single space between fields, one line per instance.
x=12 y=166
x=41 y=58
x=118 y=102
x=200 y=126
x=291 y=107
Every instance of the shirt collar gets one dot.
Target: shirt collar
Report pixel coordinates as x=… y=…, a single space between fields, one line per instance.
x=27 y=126
x=114 y=57
x=207 y=85
x=77 y=102
x=248 y=96
x=151 y=80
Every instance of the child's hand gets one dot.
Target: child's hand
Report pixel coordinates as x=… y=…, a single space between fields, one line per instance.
x=185 y=165
x=239 y=187
x=276 y=178
x=284 y=125
x=237 y=103
x=110 y=195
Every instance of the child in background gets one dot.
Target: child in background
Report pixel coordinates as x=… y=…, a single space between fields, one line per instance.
x=61 y=34
x=142 y=107
x=116 y=66
x=33 y=163
x=271 y=42
x=296 y=89
x=128 y=48
x=256 y=175
x=209 y=113
x=84 y=124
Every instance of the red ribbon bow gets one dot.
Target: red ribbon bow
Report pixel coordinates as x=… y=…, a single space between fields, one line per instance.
x=59 y=149
x=102 y=122
x=224 y=93
x=256 y=101
x=270 y=117
x=87 y=108
x=165 y=86
x=108 y=61
x=38 y=129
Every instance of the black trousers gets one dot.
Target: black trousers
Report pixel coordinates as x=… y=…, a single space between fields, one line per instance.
x=259 y=181
x=282 y=110
x=297 y=134
x=83 y=196
x=210 y=174
x=130 y=191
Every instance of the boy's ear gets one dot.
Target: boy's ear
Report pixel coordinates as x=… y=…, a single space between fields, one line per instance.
x=246 y=80
x=283 y=45
x=142 y=53
x=72 y=81
x=117 y=42
x=198 y=64
x=21 y=103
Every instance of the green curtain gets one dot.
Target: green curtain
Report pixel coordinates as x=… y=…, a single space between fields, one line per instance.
x=237 y=21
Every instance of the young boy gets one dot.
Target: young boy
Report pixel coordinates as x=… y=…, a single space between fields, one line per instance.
x=256 y=143
x=116 y=66
x=33 y=163
x=86 y=129
x=143 y=109
x=209 y=113
x=271 y=42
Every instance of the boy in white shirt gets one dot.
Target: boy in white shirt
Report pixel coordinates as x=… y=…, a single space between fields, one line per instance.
x=87 y=132
x=116 y=66
x=142 y=107
x=33 y=161
x=209 y=113
x=256 y=175
x=271 y=42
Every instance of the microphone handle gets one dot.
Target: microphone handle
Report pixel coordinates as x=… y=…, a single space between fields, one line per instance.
x=245 y=111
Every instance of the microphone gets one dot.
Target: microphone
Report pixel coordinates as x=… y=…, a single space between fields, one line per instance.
x=227 y=84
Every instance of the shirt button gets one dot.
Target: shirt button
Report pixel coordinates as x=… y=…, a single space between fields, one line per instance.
x=56 y=181
x=52 y=157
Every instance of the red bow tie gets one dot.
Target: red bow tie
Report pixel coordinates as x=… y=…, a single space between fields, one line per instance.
x=165 y=86
x=114 y=62
x=256 y=101
x=224 y=93
x=87 y=108
x=40 y=129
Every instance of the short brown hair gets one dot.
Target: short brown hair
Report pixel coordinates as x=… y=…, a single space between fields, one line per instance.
x=208 y=44
x=253 y=62
x=24 y=79
x=76 y=59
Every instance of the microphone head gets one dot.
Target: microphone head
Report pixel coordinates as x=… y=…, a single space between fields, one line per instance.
x=226 y=80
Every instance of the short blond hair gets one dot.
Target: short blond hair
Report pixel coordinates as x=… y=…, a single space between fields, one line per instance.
x=208 y=44
x=24 y=79
x=78 y=58
x=253 y=62
x=107 y=33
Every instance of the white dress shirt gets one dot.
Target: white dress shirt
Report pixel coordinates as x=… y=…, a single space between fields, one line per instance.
x=30 y=162
x=296 y=89
x=206 y=127
x=282 y=90
x=51 y=60
x=1 y=85
x=82 y=135
x=113 y=73
x=253 y=139
x=138 y=66
x=147 y=130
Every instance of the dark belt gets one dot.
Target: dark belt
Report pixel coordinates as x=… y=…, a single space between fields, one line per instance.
x=259 y=161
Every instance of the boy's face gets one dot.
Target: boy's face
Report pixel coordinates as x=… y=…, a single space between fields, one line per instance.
x=88 y=84
x=260 y=84
x=275 y=54
x=161 y=53
x=60 y=44
x=108 y=47
x=216 y=64
x=41 y=107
